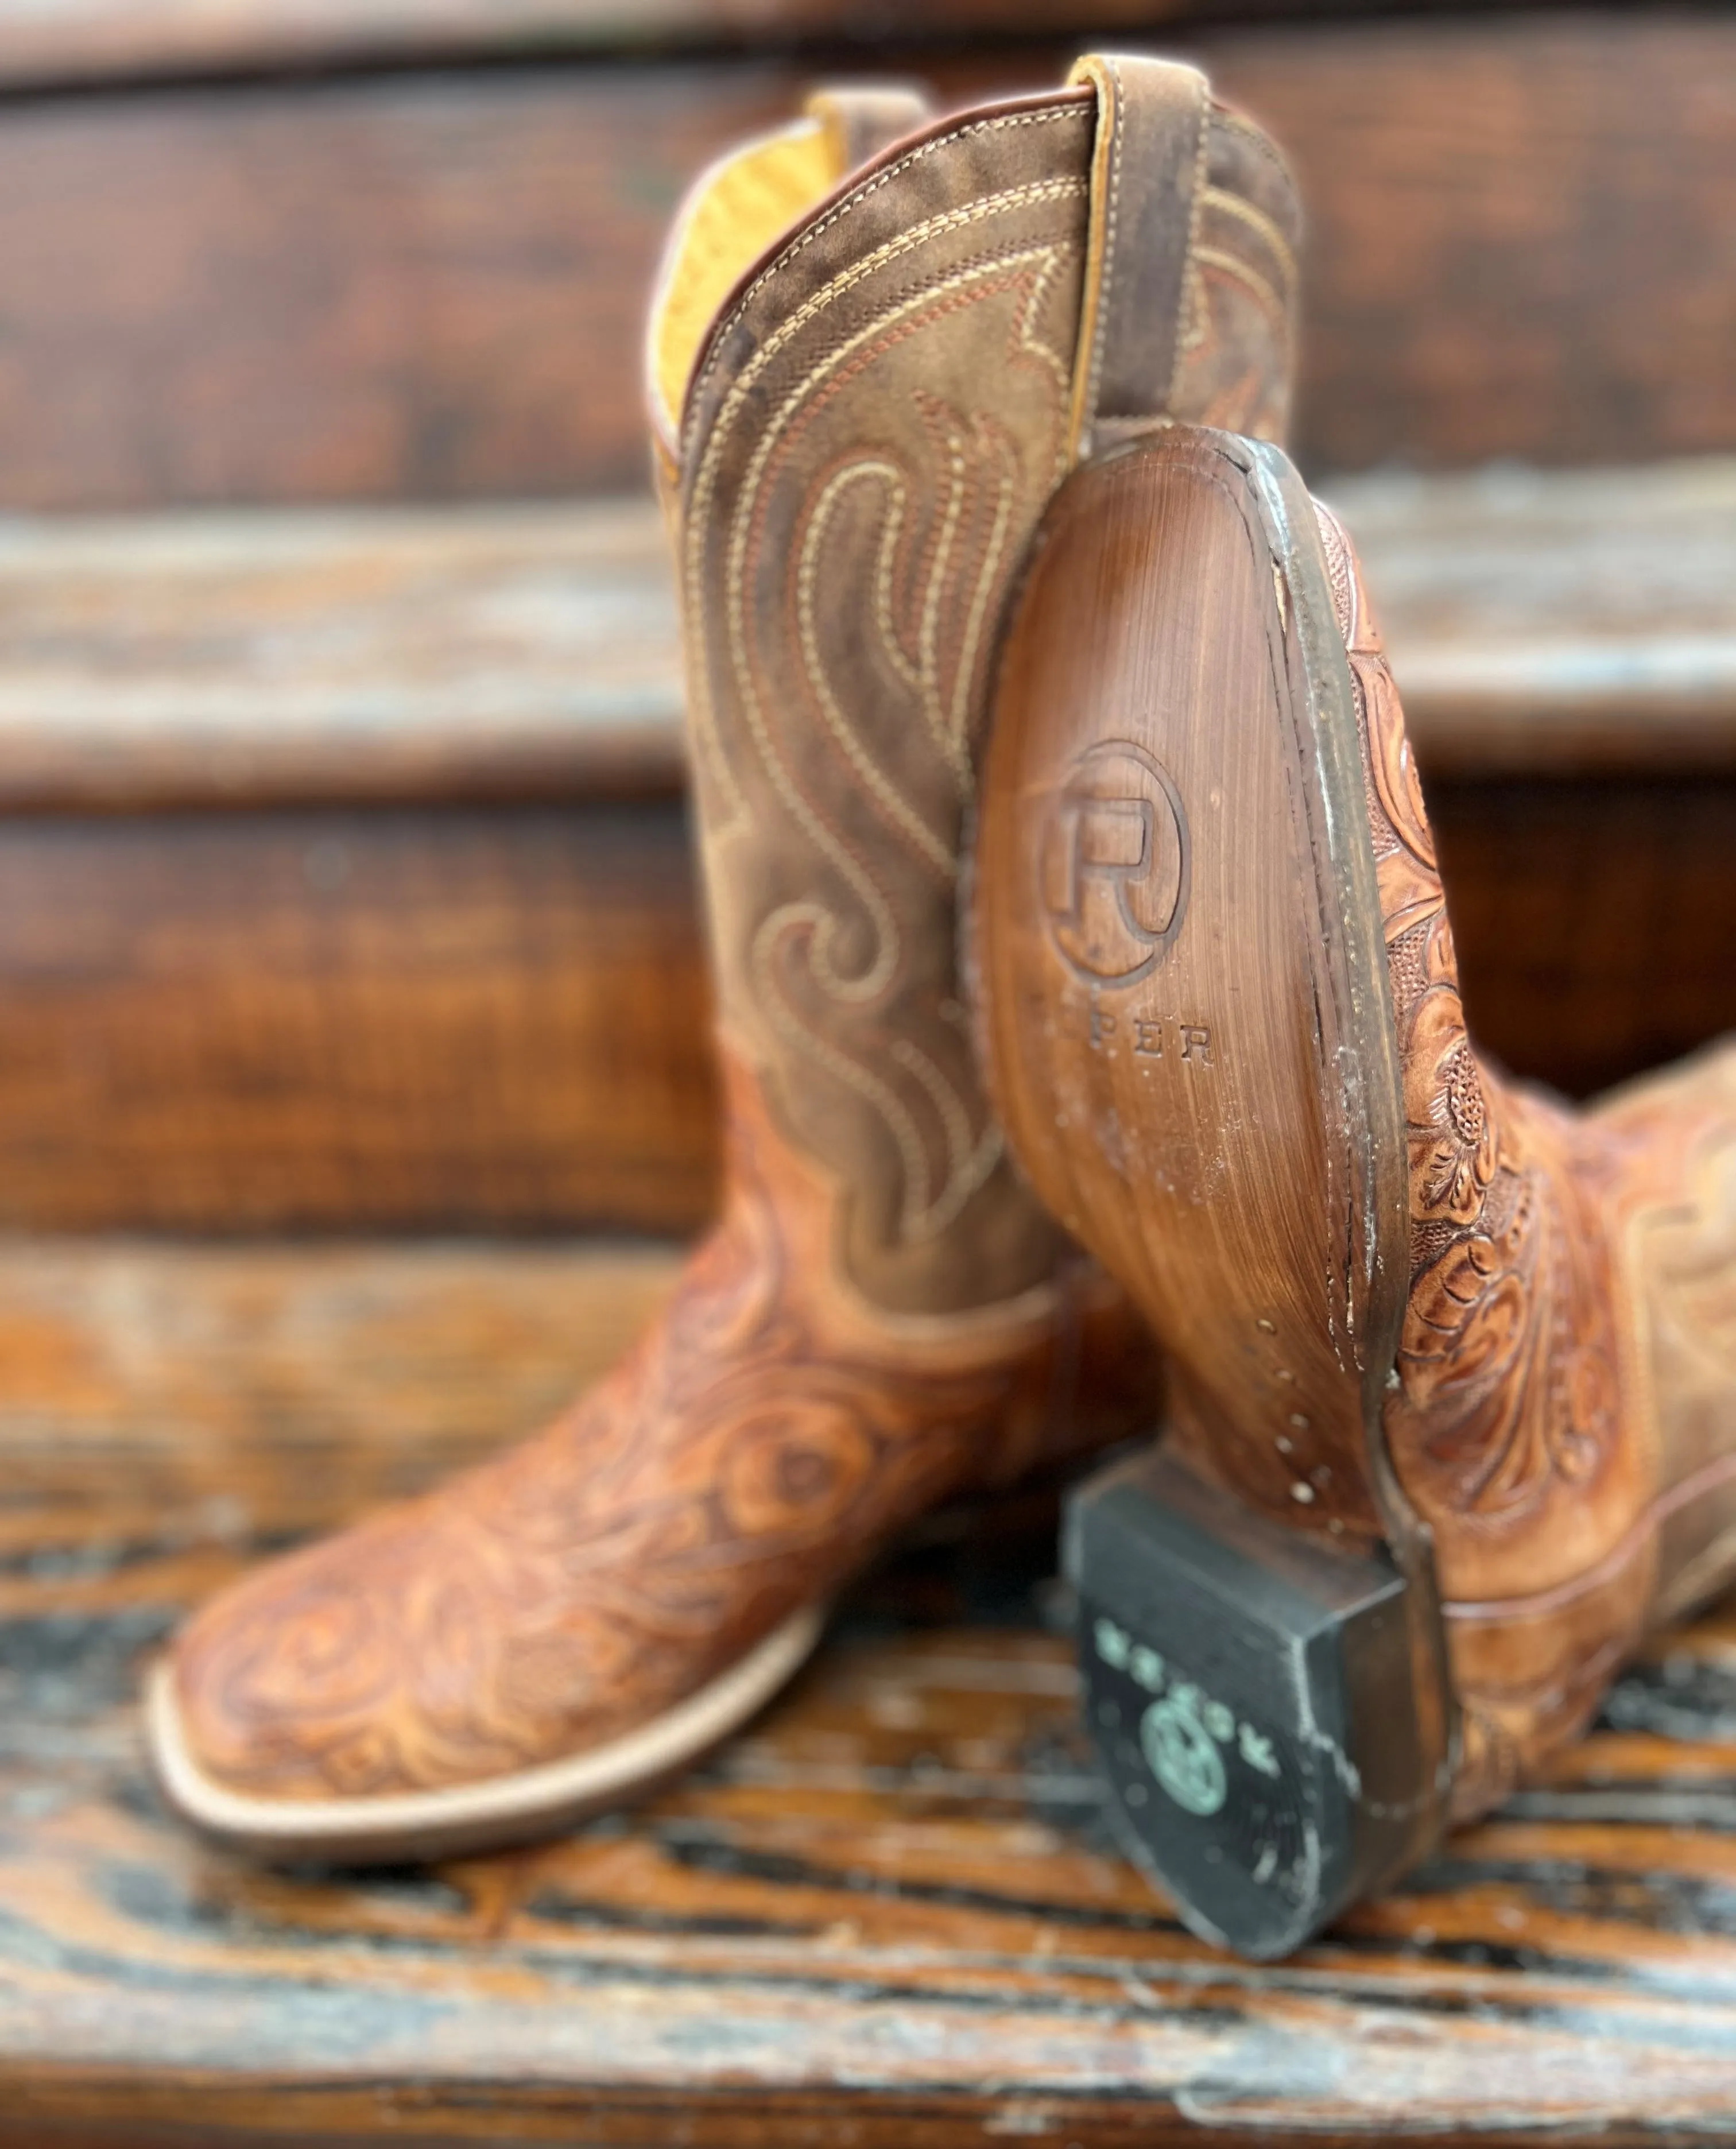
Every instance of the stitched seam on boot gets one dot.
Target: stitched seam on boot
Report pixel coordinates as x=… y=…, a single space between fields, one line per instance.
x=1239 y=124
x=1256 y=220
x=1233 y=265
x=952 y=220
x=854 y=201
x=1112 y=209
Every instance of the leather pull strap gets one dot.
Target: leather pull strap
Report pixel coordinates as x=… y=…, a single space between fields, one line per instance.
x=1146 y=181
x=864 y=117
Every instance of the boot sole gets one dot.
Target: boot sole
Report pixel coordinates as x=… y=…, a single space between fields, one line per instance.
x=417 y=1826
x=1187 y=1010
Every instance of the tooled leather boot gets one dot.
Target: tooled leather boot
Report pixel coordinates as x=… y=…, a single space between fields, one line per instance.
x=1453 y=1367
x=864 y=389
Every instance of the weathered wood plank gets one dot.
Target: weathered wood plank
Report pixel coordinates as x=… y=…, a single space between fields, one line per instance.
x=61 y=42
x=465 y=1017
x=344 y=880
x=1593 y=920
x=1520 y=239
x=1542 y=624
x=1558 y=622
x=194 y=1397
x=428 y=286
x=889 y=1913
x=432 y=286
x=339 y=657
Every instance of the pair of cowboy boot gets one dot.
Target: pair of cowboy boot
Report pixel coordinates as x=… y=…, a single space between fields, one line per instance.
x=1450 y=1398
x=866 y=380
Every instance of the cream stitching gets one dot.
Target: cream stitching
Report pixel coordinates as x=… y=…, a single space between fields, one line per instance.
x=921 y=1215
x=924 y=1208
x=1105 y=276
x=949 y=220
x=1232 y=265
x=1257 y=220
x=870 y=770
x=933 y=714
x=1257 y=138
x=966 y=671
x=1043 y=256
x=852 y=869
x=702 y=713
x=810 y=1046
x=1040 y=118
x=883 y=620
x=969 y=1161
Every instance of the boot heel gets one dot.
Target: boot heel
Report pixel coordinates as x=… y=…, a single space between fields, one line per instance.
x=1254 y=1699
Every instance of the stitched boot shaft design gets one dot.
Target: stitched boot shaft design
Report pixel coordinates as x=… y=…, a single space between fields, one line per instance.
x=862 y=395
x=1469 y=1349
x=884 y=410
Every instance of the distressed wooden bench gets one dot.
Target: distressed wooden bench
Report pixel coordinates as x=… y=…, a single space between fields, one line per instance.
x=344 y=871
x=887 y=1915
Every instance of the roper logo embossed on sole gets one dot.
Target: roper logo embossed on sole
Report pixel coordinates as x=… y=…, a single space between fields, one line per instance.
x=1114 y=864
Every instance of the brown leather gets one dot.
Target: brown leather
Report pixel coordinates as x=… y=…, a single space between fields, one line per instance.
x=865 y=118
x=1566 y=1420
x=888 y=407
x=885 y=1314
x=752 y=1450
x=1158 y=1038
x=1334 y=1213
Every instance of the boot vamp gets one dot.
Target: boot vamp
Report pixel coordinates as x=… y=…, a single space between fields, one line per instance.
x=531 y=1608
x=738 y=1465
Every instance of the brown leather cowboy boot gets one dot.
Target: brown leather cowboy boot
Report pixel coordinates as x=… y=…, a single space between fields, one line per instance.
x=1453 y=1367
x=863 y=391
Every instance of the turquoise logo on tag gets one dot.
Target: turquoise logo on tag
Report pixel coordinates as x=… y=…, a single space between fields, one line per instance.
x=1183 y=1755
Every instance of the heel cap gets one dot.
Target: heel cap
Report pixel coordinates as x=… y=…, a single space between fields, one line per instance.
x=1251 y=1695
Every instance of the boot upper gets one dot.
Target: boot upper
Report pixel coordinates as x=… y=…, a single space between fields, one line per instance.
x=1563 y=1415
x=862 y=392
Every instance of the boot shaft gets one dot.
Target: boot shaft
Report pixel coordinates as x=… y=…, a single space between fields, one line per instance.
x=857 y=448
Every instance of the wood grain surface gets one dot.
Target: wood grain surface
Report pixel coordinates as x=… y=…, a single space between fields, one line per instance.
x=428 y=286
x=344 y=870
x=431 y=285
x=192 y=1389
x=340 y=656
x=889 y=1914
x=1562 y=622
x=81 y=41
x=1520 y=236
x=465 y=1017
x=1593 y=920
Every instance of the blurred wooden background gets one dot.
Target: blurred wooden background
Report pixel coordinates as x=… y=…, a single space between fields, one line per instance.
x=352 y=995
x=343 y=876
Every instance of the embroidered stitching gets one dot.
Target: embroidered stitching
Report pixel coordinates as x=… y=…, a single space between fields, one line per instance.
x=701 y=711
x=1257 y=140
x=714 y=357
x=1233 y=266
x=1099 y=338
x=925 y=1209
x=1234 y=205
x=885 y=791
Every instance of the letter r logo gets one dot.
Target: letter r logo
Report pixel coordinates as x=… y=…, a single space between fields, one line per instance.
x=1114 y=864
